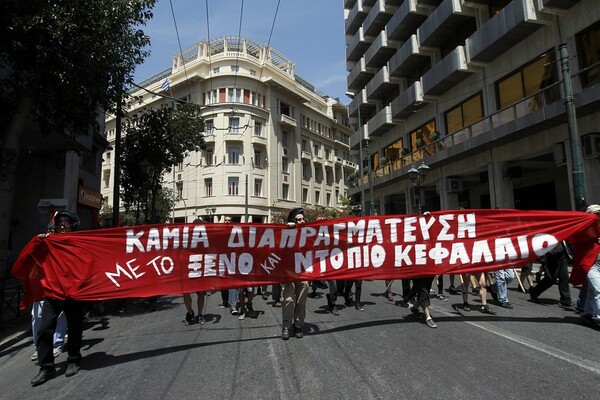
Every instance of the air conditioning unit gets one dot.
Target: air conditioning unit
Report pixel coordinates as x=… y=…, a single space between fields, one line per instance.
x=591 y=145
x=285 y=151
x=454 y=185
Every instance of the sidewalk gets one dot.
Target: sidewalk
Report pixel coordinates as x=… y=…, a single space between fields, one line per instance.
x=15 y=330
x=15 y=325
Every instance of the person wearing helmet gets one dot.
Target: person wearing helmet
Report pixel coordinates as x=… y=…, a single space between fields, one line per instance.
x=293 y=310
x=64 y=221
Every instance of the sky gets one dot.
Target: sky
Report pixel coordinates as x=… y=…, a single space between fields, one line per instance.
x=308 y=32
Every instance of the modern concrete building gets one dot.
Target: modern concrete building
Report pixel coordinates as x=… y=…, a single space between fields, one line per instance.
x=475 y=90
x=272 y=141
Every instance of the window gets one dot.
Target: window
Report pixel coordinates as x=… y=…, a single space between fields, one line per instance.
x=258 y=187
x=328 y=199
x=106 y=178
x=420 y=138
x=234 y=125
x=258 y=128
x=464 y=114
x=285 y=191
x=588 y=51
x=285 y=165
x=216 y=70
x=230 y=95
x=285 y=109
x=257 y=158
x=327 y=154
x=284 y=138
x=108 y=156
x=317 y=197
x=235 y=68
x=238 y=95
x=529 y=80
x=304 y=195
x=233 y=155
x=179 y=187
x=208 y=187
x=233 y=185
x=180 y=166
x=305 y=171
x=252 y=72
x=316 y=148
x=209 y=127
x=208 y=156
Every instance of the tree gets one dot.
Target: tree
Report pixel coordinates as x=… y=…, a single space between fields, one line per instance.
x=155 y=142
x=62 y=63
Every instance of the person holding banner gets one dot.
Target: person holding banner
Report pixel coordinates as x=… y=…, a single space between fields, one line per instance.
x=64 y=221
x=295 y=293
x=591 y=307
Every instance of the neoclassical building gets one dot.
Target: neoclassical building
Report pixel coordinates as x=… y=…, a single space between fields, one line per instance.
x=273 y=142
x=500 y=99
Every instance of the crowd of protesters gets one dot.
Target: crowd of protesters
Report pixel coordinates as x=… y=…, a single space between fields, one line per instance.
x=48 y=319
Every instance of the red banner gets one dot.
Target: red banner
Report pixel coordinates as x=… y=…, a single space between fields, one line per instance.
x=153 y=260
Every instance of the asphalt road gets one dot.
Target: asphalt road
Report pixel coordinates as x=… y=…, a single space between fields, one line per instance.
x=534 y=351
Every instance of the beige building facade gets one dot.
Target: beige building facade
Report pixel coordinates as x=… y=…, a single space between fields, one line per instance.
x=475 y=90
x=272 y=141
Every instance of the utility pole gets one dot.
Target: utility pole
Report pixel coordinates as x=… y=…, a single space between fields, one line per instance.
x=576 y=158
x=117 y=169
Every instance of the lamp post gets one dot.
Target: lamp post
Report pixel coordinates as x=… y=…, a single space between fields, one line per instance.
x=148 y=171
x=180 y=196
x=417 y=176
x=210 y=212
x=360 y=156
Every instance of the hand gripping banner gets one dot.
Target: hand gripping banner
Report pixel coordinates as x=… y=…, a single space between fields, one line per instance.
x=149 y=260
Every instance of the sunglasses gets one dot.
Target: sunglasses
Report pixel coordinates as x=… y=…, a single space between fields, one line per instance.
x=64 y=225
x=227 y=220
x=300 y=219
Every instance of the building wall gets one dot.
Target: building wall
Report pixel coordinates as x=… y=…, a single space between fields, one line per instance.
x=265 y=72
x=498 y=165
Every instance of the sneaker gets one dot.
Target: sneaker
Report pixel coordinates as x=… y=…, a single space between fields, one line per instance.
x=348 y=302
x=506 y=304
x=588 y=320
x=441 y=297
x=466 y=307
x=410 y=304
x=430 y=323
x=298 y=333
x=242 y=315
x=285 y=333
x=57 y=352
x=34 y=356
x=452 y=290
x=189 y=317
x=265 y=296
x=201 y=319
x=358 y=306
x=487 y=310
x=233 y=310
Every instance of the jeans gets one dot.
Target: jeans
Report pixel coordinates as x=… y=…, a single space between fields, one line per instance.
x=503 y=278
x=233 y=297
x=592 y=300
x=61 y=326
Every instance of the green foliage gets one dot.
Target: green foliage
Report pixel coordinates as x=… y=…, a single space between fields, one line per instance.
x=318 y=213
x=159 y=138
x=71 y=57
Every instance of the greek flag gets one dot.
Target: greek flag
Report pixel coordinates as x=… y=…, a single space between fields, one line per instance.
x=166 y=86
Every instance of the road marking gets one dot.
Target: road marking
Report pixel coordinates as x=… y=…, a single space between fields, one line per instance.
x=277 y=368
x=551 y=351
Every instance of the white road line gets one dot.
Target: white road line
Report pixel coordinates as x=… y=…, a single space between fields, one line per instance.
x=551 y=351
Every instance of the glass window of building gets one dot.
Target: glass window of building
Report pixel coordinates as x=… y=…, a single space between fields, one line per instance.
x=258 y=187
x=257 y=158
x=305 y=195
x=234 y=125
x=208 y=156
x=317 y=197
x=208 y=187
x=588 y=55
x=285 y=191
x=464 y=114
x=285 y=165
x=233 y=185
x=258 y=128
x=284 y=138
x=233 y=153
x=209 y=127
x=529 y=80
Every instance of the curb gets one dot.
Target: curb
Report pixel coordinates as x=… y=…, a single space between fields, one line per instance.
x=12 y=339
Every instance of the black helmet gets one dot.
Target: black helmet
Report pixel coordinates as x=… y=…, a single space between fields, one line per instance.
x=65 y=216
x=292 y=215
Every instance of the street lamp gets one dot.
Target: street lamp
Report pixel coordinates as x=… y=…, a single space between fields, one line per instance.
x=210 y=212
x=360 y=156
x=417 y=176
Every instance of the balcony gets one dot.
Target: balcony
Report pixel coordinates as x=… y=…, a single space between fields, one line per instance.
x=408 y=59
x=259 y=140
x=379 y=52
x=405 y=21
x=357 y=46
x=208 y=138
x=306 y=155
x=515 y=22
x=349 y=3
x=443 y=23
x=381 y=122
x=409 y=102
x=379 y=15
x=286 y=120
x=357 y=15
x=447 y=73
x=359 y=76
x=381 y=86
